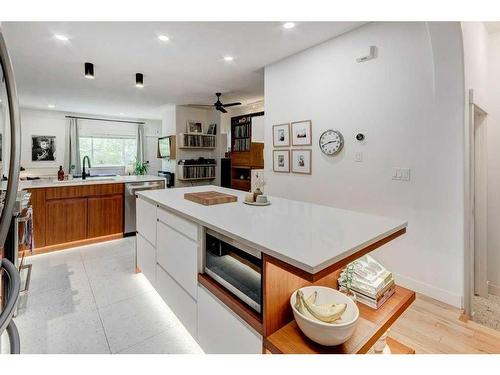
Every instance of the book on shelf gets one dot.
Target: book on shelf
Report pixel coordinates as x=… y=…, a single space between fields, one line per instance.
x=372 y=283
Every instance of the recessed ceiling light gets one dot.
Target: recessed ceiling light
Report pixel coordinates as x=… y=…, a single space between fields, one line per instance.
x=163 y=38
x=121 y=113
x=228 y=58
x=289 y=25
x=139 y=80
x=51 y=106
x=61 y=37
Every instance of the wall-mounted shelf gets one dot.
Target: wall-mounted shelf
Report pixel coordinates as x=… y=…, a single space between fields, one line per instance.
x=197 y=141
x=191 y=172
x=197 y=179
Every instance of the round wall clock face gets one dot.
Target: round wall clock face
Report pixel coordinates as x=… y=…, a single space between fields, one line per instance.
x=331 y=142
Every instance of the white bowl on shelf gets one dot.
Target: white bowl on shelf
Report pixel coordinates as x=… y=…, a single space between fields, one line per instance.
x=328 y=334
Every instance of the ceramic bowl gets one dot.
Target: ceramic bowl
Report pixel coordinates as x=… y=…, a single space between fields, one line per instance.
x=328 y=334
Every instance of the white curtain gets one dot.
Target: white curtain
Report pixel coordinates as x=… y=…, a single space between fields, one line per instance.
x=72 y=162
x=140 y=144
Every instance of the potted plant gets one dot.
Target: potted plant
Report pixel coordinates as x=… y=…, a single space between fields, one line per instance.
x=345 y=281
x=141 y=168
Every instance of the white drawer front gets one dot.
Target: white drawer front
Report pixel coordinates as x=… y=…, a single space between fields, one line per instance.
x=220 y=332
x=146 y=219
x=146 y=258
x=178 y=255
x=184 y=226
x=181 y=303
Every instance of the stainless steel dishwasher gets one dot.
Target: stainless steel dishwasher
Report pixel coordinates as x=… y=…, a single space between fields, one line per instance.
x=131 y=188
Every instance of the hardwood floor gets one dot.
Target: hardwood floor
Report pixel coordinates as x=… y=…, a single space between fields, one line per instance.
x=430 y=326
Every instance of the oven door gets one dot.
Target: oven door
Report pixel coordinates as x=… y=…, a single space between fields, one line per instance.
x=236 y=267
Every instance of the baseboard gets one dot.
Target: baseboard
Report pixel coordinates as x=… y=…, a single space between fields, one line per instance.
x=430 y=290
x=493 y=289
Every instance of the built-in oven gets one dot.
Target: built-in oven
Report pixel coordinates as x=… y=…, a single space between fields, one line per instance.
x=235 y=266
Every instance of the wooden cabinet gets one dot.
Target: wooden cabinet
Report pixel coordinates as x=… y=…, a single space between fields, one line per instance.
x=74 y=215
x=105 y=215
x=66 y=220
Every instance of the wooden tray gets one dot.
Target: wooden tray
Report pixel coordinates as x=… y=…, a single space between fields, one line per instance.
x=209 y=198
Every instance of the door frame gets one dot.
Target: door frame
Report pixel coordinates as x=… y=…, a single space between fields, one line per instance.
x=469 y=193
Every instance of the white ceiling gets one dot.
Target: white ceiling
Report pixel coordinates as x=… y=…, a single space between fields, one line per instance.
x=187 y=69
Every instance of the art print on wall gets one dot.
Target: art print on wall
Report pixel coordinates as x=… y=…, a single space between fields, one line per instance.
x=212 y=129
x=281 y=135
x=194 y=127
x=43 y=148
x=301 y=133
x=281 y=161
x=301 y=161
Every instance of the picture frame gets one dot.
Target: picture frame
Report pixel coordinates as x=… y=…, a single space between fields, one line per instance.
x=281 y=161
x=212 y=129
x=43 y=148
x=301 y=161
x=281 y=135
x=194 y=127
x=301 y=133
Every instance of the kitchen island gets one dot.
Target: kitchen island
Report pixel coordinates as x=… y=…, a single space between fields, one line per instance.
x=78 y=212
x=301 y=244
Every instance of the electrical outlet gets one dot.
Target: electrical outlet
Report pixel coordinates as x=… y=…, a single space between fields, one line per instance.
x=401 y=174
x=358 y=157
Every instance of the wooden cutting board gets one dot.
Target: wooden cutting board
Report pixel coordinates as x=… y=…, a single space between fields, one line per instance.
x=209 y=198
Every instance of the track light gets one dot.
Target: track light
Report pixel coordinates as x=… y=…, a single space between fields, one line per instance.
x=89 y=70
x=139 y=80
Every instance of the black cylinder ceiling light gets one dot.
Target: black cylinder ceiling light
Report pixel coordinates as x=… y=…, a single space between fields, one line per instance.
x=139 y=80
x=89 y=70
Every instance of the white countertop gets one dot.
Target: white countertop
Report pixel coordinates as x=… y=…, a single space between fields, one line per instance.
x=308 y=236
x=45 y=182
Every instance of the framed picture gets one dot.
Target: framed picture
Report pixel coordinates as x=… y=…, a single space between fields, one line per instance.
x=281 y=161
x=212 y=129
x=301 y=133
x=43 y=148
x=301 y=161
x=281 y=135
x=194 y=127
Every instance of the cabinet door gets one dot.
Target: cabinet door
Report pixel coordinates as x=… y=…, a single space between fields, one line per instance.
x=66 y=220
x=105 y=215
x=220 y=331
x=146 y=258
x=146 y=219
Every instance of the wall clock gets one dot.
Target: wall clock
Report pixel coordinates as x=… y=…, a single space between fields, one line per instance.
x=331 y=142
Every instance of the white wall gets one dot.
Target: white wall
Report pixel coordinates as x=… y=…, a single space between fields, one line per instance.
x=493 y=134
x=41 y=122
x=409 y=102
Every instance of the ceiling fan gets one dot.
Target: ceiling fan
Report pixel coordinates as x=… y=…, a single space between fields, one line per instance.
x=218 y=105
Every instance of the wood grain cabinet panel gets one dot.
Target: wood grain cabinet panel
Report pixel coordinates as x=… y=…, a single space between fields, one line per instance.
x=83 y=191
x=38 y=205
x=65 y=220
x=105 y=215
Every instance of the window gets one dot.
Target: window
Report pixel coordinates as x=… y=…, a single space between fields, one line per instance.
x=109 y=150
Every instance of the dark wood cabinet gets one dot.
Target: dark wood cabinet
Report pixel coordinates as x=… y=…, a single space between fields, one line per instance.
x=105 y=215
x=65 y=220
x=75 y=215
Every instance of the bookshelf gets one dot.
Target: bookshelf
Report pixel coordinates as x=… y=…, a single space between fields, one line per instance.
x=196 y=141
x=196 y=172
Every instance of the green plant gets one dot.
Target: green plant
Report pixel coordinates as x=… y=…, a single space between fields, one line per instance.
x=346 y=280
x=140 y=168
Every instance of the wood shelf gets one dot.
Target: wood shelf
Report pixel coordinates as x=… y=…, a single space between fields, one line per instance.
x=231 y=301
x=196 y=148
x=371 y=326
x=398 y=348
x=196 y=179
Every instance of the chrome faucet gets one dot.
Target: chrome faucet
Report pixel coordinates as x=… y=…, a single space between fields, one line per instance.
x=84 y=175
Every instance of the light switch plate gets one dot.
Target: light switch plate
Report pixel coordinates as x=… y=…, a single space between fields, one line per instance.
x=401 y=174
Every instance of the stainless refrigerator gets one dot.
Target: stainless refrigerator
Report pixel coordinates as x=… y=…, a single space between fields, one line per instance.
x=10 y=145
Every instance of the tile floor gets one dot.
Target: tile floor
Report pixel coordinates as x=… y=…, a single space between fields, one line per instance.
x=89 y=300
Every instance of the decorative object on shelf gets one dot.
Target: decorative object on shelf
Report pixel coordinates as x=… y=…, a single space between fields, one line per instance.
x=141 y=169
x=345 y=281
x=194 y=127
x=331 y=142
x=281 y=135
x=258 y=203
x=325 y=315
x=370 y=281
x=301 y=133
x=212 y=129
x=301 y=161
x=43 y=148
x=281 y=161
x=256 y=194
